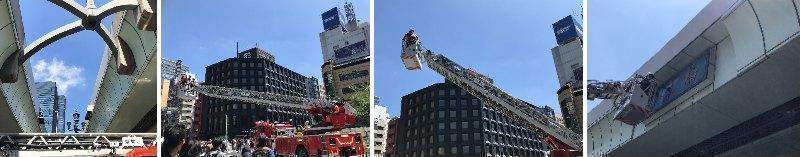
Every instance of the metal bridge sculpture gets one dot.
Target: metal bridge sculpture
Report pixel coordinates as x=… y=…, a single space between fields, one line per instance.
x=90 y=18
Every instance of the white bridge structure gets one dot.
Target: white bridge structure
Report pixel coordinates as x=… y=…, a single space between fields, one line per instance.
x=126 y=78
x=66 y=144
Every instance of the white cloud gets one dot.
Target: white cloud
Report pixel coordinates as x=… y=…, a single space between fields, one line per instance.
x=65 y=76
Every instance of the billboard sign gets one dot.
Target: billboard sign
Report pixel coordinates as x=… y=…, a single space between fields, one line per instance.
x=567 y=29
x=353 y=50
x=689 y=77
x=331 y=19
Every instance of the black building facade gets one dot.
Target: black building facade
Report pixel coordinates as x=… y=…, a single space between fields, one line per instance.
x=444 y=120
x=253 y=69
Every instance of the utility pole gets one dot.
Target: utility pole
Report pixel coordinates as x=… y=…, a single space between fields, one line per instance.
x=226 y=126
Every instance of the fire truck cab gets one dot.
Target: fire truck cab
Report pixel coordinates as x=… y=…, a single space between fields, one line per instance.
x=290 y=141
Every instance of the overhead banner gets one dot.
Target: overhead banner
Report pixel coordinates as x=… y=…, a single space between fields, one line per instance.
x=331 y=19
x=348 y=52
x=682 y=82
x=567 y=30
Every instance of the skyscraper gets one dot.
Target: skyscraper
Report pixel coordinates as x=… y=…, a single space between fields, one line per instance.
x=47 y=102
x=62 y=114
x=568 y=59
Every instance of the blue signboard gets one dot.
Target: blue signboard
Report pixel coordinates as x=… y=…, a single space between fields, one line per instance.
x=567 y=29
x=352 y=49
x=683 y=81
x=330 y=19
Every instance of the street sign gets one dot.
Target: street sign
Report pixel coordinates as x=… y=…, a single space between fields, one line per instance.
x=132 y=142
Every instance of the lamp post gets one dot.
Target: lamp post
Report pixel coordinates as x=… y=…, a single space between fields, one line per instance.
x=75 y=127
x=41 y=121
x=55 y=122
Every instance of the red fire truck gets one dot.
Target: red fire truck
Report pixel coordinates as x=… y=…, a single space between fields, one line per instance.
x=325 y=138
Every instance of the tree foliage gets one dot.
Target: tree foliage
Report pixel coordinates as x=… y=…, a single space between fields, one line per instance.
x=360 y=101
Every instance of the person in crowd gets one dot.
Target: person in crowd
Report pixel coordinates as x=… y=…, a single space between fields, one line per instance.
x=174 y=139
x=247 y=150
x=263 y=148
x=216 y=149
x=192 y=149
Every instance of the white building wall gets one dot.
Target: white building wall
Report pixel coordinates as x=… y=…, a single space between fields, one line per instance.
x=381 y=119
x=334 y=39
x=568 y=57
x=738 y=44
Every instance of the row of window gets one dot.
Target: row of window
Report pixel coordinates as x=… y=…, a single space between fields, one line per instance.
x=293 y=77
x=442 y=104
x=526 y=139
x=412 y=121
x=498 y=132
x=250 y=63
x=439 y=93
x=472 y=151
x=441 y=138
x=272 y=70
x=276 y=81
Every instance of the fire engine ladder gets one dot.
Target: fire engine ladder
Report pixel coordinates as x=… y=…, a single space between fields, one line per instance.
x=498 y=99
x=261 y=98
x=74 y=141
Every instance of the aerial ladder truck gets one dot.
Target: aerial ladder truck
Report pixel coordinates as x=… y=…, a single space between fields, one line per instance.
x=563 y=141
x=321 y=139
x=630 y=98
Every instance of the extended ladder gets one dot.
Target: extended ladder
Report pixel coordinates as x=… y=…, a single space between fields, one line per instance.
x=496 y=98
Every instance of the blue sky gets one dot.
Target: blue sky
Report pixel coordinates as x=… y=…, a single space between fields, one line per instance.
x=201 y=34
x=624 y=34
x=72 y=62
x=507 y=40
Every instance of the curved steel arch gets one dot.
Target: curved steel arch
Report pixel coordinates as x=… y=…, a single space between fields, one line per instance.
x=90 y=17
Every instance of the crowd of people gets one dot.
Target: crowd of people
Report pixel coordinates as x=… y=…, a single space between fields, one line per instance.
x=178 y=144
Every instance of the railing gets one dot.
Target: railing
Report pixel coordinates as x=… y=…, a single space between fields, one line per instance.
x=75 y=141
